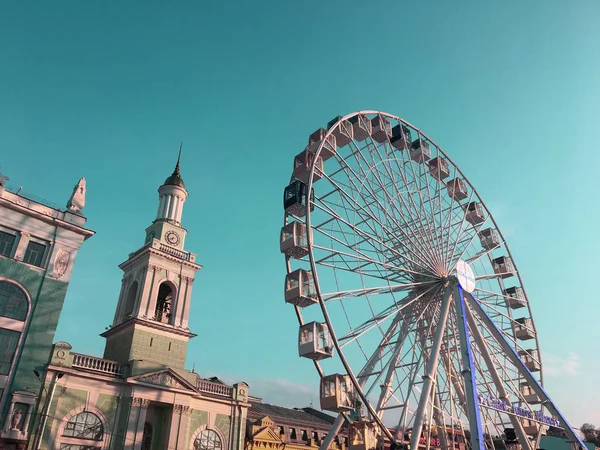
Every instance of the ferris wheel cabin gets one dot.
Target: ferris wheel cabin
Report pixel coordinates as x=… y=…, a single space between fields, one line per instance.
x=489 y=238
x=300 y=288
x=381 y=129
x=531 y=359
x=529 y=394
x=457 y=189
x=516 y=297
x=420 y=150
x=314 y=341
x=293 y=241
x=295 y=198
x=401 y=137
x=523 y=328
x=475 y=214
x=530 y=427
x=303 y=163
x=503 y=267
x=363 y=435
x=344 y=133
x=337 y=393
x=439 y=168
x=361 y=126
x=329 y=144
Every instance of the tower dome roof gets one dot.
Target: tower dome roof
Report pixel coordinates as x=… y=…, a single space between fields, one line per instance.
x=175 y=178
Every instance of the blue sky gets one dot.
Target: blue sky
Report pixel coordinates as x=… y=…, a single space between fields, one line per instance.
x=107 y=91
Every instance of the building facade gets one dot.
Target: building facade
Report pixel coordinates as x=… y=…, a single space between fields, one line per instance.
x=38 y=247
x=272 y=427
x=138 y=395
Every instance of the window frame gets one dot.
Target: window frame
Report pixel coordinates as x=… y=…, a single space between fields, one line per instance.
x=44 y=255
x=86 y=425
x=14 y=352
x=198 y=439
x=14 y=245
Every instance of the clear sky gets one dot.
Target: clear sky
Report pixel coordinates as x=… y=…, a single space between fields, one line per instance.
x=107 y=90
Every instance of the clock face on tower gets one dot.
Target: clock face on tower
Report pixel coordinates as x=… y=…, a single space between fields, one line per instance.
x=172 y=237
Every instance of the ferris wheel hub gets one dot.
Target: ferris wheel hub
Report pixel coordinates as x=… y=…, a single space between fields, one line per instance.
x=465 y=276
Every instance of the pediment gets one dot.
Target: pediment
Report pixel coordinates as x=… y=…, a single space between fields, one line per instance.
x=166 y=378
x=267 y=434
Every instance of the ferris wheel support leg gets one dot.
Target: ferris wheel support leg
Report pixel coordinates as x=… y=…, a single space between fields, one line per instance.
x=386 y=387
x=430 y=371
x=333 y=431
x=468 y=370
x=503 y=395
x=439 y=421
x=512 y=354
x=364 y=374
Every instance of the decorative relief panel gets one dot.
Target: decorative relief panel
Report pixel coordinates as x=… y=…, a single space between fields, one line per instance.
x=140 y=402
x=61 y=262
x=163 y=379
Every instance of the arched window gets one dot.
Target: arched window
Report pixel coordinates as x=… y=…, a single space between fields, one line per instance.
x=130 y=301
x=163 y=303
x=84 y=425
x=208 y=440
x=13 y=301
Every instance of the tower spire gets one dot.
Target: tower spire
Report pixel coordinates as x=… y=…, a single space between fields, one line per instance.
x=176 y=171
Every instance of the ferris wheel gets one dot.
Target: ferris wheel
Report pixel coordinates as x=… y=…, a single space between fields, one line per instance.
x=409 y=301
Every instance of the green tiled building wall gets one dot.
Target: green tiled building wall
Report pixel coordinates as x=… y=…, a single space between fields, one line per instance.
x=197 y=419
x=147 y=346
x=223 y=423
x=64 y=403
x=47 y=298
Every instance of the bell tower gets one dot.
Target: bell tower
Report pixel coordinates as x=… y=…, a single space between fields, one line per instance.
x=151 y=320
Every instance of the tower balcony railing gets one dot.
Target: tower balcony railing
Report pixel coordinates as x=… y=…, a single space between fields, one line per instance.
x=175 y=252
x=97 y=364
x=214 y=388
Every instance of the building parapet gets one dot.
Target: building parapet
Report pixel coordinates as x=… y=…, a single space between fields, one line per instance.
x=97 y=364
x=209 y=387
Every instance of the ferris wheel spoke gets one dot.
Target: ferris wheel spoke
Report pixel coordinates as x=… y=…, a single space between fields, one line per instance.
x=424 y=175
x=371 y=291
x=365 y=259
x=362 y=251
x=376 y=320
x=325 y=207
x=417 y=189
x=454 y=239
x=367 y=369
x=392 y=175
x=370 y=189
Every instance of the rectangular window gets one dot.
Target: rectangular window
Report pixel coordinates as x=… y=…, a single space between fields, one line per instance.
x=292 y=433
x=7 y=241
x=8 y=347
x=34 y=253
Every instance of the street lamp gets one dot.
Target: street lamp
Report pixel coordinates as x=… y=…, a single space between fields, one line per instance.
x=44 y=414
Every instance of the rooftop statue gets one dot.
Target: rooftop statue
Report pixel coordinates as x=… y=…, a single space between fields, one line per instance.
x=3 y=179
x=77 y=200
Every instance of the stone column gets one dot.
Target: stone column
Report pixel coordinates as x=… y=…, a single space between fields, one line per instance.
x=177 y=430
x=135 y=425
x=22 y=245
x=187 y=303
x=148 y=291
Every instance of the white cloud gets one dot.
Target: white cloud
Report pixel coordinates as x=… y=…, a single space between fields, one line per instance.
x=277 y=391
x=555 y=366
